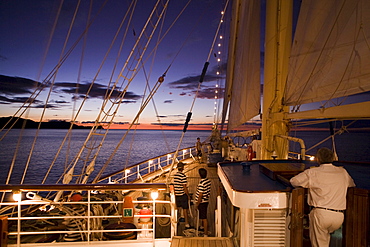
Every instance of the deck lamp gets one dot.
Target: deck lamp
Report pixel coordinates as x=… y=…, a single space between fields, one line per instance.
x=17 y=195
x=154 y=195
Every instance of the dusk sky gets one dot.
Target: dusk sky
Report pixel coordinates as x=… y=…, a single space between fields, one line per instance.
x=26 y=27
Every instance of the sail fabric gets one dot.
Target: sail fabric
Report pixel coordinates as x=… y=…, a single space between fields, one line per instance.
x=330 y=54
x=243 y=78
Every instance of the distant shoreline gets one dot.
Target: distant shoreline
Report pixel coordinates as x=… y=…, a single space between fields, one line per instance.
x=19 y=123
x=362 y=126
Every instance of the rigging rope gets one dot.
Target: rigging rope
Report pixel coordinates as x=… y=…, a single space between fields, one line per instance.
x=23 y=126
x=188 y=118
x=342 y=129
x=134 y=71
x=136 y=118
x=147 y=87
x=49 y=94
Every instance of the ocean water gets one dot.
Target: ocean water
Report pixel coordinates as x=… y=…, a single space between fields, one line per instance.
x=137 y=147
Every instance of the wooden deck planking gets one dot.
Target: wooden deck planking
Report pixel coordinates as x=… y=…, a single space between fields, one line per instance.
x=201 y=242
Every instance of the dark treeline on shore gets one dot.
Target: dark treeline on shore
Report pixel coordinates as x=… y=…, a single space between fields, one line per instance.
x=30 y=124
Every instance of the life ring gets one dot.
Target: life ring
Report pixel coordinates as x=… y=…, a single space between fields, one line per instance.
x=144 y=212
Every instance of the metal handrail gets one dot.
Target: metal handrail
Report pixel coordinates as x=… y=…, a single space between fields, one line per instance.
x=88 y=217
x=156 y=164
x=83 y=187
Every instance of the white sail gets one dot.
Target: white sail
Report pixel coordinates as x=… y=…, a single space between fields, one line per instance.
x=244 y=64
x=330 y=54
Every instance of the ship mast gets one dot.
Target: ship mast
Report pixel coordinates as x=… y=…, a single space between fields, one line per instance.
x=277 y=49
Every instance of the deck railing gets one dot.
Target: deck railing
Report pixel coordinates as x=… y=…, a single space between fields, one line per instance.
x=159 y=164
x=21 y=214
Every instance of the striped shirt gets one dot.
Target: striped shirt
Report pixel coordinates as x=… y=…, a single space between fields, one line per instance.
x=179 y=181
x=75 y=224
x=204 y=187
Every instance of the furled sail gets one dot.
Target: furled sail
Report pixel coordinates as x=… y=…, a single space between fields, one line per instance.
x=330 y=54
x=243 y=82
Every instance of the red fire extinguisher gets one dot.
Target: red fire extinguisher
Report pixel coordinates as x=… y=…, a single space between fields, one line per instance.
x=250 y=153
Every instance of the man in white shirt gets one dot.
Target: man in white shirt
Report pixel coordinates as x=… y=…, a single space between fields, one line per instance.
x=327 y=186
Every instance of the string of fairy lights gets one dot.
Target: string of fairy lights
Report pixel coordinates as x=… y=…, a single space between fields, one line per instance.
x=218 y=55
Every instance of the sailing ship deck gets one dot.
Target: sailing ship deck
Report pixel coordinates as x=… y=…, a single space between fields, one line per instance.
x=191 y=171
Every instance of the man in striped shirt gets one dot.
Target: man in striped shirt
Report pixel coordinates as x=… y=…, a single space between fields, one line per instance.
x=74 y=224
x=181 y=192
x=202 y=199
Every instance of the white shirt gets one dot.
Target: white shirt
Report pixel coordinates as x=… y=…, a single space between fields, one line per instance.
x=327 y=186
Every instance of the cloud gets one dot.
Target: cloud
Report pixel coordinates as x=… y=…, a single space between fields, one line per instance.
x=15 y=86
x=97 y=90
x=61 y=102
x=210 y=93
x=128 y=101
x=49 y=106
x=7 y=100
x=176 y=115
x=168 y=124
x=189 y=84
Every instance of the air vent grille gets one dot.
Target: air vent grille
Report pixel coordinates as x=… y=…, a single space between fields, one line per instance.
x=269 y=228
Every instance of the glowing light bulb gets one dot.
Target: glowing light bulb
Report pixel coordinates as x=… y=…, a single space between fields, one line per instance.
x=17 y=195
x=154 y=195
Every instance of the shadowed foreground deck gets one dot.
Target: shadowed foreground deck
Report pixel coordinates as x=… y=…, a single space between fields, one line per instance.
x=201 y=242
